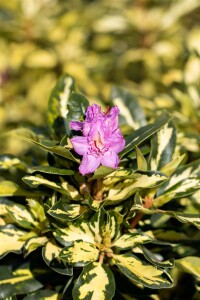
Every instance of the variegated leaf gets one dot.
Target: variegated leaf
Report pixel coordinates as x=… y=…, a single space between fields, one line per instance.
x=50 y=254
x=37 y=209
x=79 y=254
x=162 y=146
x=8 y=161
x=44 y=295
x=79 y=230
x=182 y=217
x=9 y=189
x=130 y=240
x=185 y=181
x=21 y=215
x=112 y=226
x=144 y=133
x=169 y=168
x=142 y=272
x=190 y=264
x=96 y=282
x=33 y=243
x=57 y=110
x=130 y=111
x=63 y=187
x=6 y=219
x=128 y=187
x=10 y=240
x=96 y=224
x=66 y=212
x=17 y=282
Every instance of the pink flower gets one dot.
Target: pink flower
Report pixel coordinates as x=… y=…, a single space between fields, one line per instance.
x=101 y=140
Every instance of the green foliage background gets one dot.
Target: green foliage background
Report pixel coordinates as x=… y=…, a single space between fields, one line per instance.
x=149 y=46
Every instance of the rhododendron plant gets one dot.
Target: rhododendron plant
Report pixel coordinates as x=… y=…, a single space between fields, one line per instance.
x=115 y=234
x=101 y=140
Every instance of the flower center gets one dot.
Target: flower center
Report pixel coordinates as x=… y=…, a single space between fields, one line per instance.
x=98 y=145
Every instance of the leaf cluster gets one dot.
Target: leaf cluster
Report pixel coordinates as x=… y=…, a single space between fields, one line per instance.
x=88 y=234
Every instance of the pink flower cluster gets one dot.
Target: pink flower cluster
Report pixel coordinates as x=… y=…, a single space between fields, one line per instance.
x=101 y=140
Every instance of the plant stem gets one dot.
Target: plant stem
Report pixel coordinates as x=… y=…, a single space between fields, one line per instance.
x=97 y=195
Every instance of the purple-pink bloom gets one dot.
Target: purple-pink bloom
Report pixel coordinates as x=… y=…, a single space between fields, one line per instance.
x=101 y=140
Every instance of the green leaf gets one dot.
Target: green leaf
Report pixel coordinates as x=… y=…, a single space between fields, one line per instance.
x=152 y=258
x=59 y=150
x=130 y=111
x=10 y=240
x=77 y=106
x=43 y=295
x=33 y=243
x=79 y=253
x=141 y=161
x=190 y=264
x=65 y=212
x=96 y=282
x=144 y=133
x=50 y=170
x=17 y=282
x=128 y=187
x=101 y=172
x=63 y=187
x=162 y=146
x=130 y=240
x=50 y=254
x=142 y=272
x=47 y=145
x=57 y=108
x=9 y=189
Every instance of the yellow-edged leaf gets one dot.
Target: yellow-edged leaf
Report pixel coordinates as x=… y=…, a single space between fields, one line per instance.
x=33 y=243
x=129 y=240
x=80 y=254
x=75 y=231
x=190 y=264
x=50 y=254
x=142 y=272
x=96 y=282
x=10 y=240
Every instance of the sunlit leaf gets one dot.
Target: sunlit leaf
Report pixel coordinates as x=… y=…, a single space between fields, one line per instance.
x=96 y=282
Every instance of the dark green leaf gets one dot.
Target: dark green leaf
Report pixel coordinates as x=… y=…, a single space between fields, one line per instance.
x=50 y=170
x=144 y=133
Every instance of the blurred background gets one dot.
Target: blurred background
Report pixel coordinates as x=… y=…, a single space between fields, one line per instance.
x=150 y=47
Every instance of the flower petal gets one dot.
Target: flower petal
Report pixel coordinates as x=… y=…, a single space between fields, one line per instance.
x=76 y=125
x=93 y=113
x=80 y=144
x=110 y=159
x=116 y=142
x=89 y=164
